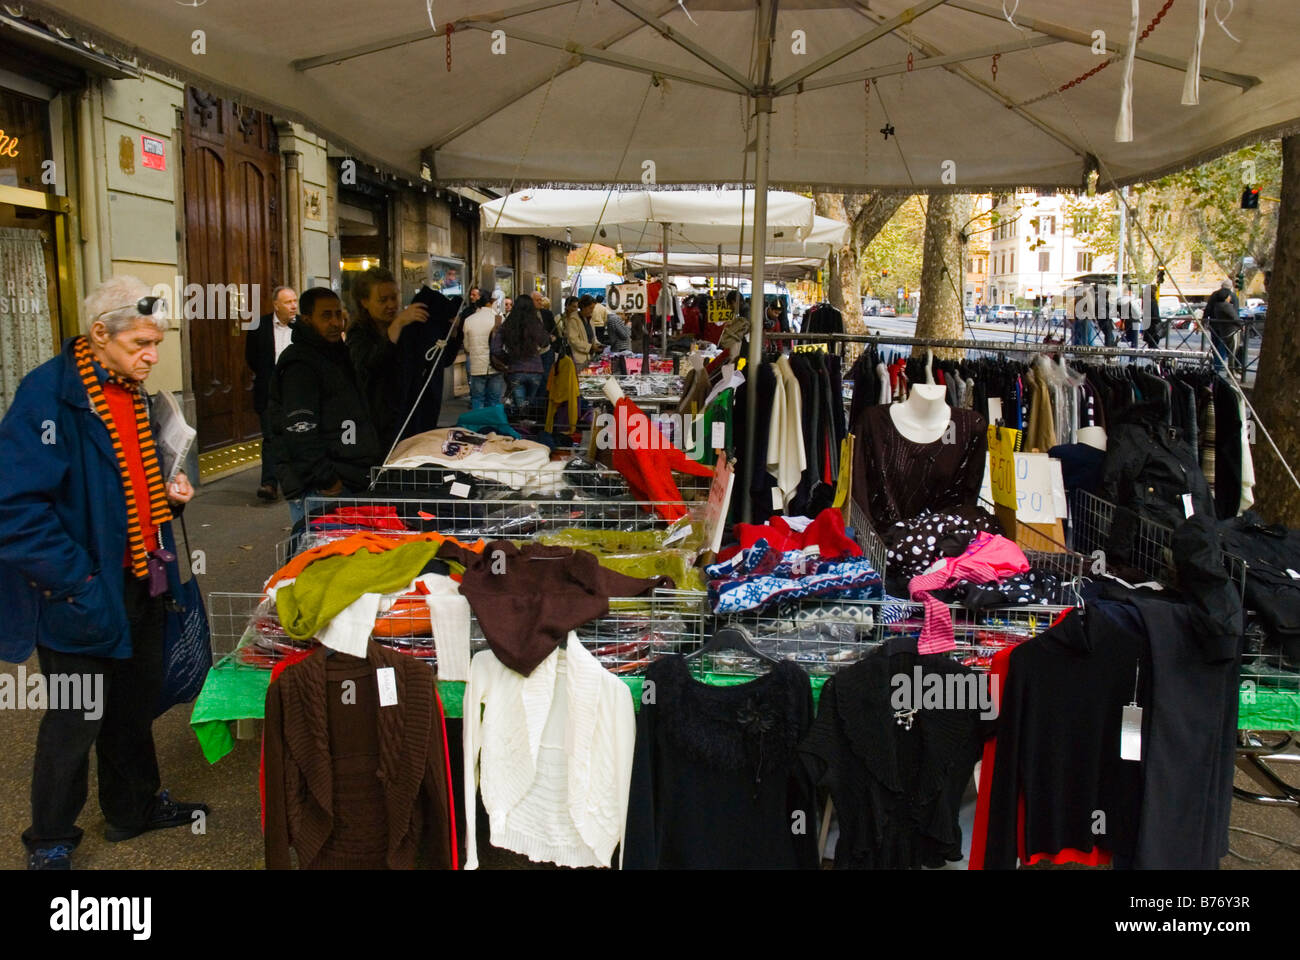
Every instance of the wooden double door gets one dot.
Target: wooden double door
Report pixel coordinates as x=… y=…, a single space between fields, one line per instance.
x=232 y=236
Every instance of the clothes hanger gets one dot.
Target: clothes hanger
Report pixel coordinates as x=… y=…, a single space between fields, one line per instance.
x=732 y=637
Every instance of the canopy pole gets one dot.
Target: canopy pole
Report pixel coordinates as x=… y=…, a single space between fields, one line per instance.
x=663 y=299
x=762 y=129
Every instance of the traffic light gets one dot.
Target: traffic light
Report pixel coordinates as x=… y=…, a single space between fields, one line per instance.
x=1160 y=274
x=1241 y=280
x=1250 y=198
x=884 y=274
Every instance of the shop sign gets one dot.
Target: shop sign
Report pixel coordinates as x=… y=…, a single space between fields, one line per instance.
x=154 y=153
x=8 y=145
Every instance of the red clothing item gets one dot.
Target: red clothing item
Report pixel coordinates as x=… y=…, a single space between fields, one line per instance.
x=826 y=531
x=121 y=403
x=647 y=459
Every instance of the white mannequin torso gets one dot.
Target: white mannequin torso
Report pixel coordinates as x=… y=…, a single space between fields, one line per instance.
x=924 y=415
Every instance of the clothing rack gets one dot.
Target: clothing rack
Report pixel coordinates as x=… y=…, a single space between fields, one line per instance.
x=994 y=346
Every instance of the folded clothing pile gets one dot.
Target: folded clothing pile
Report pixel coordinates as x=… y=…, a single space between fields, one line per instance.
x=761 y=575
x=493 y=457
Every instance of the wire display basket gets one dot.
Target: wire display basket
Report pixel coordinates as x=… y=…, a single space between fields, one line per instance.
x=246 y=630
x=514 y=519
x=558 y=481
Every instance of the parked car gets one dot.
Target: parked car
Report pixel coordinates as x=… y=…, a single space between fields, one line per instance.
x=971 y=315
x=1059 y=315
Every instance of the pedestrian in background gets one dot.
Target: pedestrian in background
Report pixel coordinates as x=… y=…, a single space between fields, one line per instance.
x=324 y=438
x=486 y=385
x=262 y=348
x=525 y=341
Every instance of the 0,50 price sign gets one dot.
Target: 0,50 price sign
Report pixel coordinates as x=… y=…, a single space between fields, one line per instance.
x=626 y=297
x=1002 y=465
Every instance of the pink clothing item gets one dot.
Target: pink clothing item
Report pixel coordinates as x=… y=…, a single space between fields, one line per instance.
x=989 y=557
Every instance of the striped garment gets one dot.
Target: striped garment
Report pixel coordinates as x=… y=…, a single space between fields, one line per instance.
x=159 y=511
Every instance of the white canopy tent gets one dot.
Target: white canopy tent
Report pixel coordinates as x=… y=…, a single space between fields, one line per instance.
x=695 y=219
x=910 y=95
x=683 y=219
x=728 y=263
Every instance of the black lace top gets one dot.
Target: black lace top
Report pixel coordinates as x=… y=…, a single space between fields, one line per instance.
x=717 y=782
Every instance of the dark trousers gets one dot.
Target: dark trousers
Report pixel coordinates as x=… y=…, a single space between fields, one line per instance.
x=122 y=735
x=268 y=457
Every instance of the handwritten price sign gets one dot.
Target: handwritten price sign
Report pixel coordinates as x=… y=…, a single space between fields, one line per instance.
x=1002 y=465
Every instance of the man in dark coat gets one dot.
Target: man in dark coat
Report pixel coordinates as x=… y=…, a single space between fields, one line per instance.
x=262 y=348
x=1222 y=315
x=84 y=516
x=325 y=442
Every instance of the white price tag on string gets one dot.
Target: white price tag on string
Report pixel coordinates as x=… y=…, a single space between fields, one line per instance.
x=1187 y=505
x=719 y=436
x=460 y=490
x=387 y=678
x=1130 y=733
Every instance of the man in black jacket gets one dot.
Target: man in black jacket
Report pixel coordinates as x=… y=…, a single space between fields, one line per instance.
x=325 y=442
x=1222 y=316
x=262 y=348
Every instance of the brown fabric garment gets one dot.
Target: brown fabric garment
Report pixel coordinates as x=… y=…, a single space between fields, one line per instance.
x=355 y=786
x=528 y=599
x=895 y=479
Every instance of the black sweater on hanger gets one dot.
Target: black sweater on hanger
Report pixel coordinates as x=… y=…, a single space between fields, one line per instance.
x=716 y=781
x=1059 y=742
x=897 y=788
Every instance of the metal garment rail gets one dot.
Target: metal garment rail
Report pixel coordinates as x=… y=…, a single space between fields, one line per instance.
x=992 y=346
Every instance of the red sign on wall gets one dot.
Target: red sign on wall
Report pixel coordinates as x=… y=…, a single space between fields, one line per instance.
x=155 y=153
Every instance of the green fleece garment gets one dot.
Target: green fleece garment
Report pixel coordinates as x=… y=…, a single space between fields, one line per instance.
x=327 y=586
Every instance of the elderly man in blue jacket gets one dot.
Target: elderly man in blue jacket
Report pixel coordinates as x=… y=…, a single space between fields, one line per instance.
x=84 y=508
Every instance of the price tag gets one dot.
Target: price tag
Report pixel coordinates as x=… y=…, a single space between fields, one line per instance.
x=681 y=533
x=1187 y=505
x=777 y=502
x=387 y=678
x=1002 y=465
x=1130 y=733
x=719 y=435
x=626 y=297
x=460 y=490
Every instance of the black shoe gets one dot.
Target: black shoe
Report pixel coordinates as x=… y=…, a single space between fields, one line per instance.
x=50 y=858
x=267 y=492
x=166 y=813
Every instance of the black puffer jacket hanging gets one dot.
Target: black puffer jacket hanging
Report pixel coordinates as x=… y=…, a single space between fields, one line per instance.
x=1150 y=469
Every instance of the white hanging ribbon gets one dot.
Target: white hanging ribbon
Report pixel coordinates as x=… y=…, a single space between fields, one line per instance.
x=1124 y=123
x=428 y=5
x=1010 y=17
x=1192 y=81
x=682 y=4
x=1223 y=26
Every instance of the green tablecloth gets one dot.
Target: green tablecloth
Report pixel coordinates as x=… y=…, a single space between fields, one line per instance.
x=232 y=692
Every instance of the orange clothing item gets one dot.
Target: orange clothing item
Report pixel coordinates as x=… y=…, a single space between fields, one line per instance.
x=121 y=403
x=356 y=542
x=647 y=459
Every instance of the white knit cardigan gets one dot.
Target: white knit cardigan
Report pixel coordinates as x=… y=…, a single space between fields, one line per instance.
x=504 y=716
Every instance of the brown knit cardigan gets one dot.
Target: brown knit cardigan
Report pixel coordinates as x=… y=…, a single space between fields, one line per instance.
x=351 y=784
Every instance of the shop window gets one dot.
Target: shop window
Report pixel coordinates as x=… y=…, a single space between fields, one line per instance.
x=24 y=142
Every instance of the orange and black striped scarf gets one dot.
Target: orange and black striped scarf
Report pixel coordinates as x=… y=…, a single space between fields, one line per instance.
x=159 y=511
